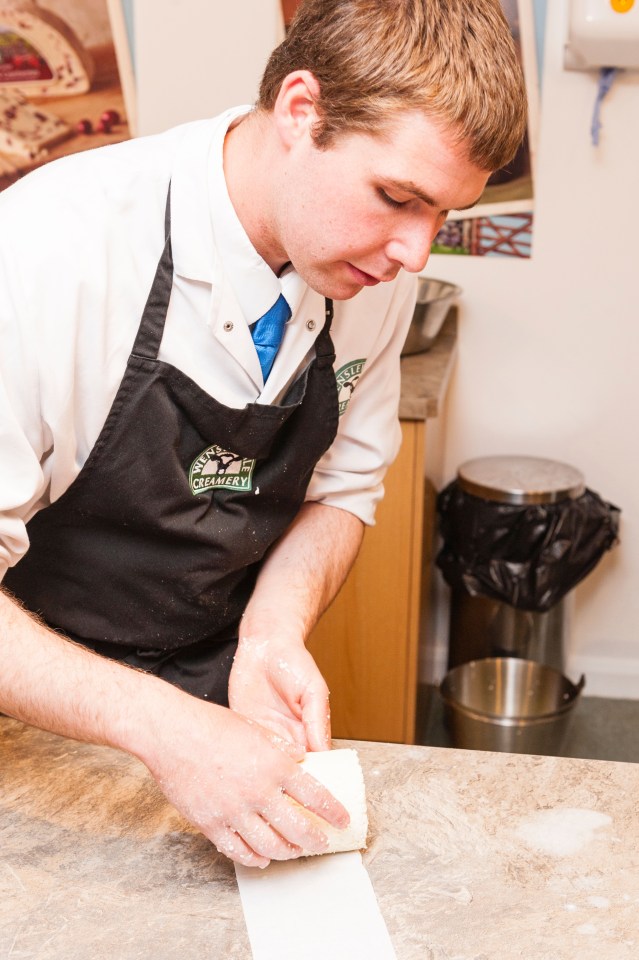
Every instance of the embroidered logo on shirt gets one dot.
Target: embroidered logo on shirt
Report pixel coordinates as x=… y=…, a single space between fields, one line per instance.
x=216 y=467
x=347 y=377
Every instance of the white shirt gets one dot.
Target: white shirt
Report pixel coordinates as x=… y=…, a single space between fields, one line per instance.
x=80 y=239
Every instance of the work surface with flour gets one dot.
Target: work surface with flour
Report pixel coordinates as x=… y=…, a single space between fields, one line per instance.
x=472 y=856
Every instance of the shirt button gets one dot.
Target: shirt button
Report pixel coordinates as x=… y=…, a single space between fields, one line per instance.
x=310 y=324
x=228 y=326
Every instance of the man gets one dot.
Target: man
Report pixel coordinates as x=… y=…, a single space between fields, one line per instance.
x=166 y=490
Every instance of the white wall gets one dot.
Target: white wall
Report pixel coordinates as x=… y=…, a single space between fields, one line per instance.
x=549 y=348
x=195 y=59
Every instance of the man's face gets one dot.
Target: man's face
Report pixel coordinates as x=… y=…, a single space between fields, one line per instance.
x=353 y=214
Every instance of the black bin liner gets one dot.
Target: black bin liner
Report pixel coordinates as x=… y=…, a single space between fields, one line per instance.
x=529 y=556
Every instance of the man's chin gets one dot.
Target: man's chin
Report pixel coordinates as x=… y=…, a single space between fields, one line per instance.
x=344 y=296
x=333 y=289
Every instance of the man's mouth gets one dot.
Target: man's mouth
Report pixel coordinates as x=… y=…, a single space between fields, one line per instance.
x=366 y=279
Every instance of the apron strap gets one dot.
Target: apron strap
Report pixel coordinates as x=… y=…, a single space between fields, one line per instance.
x=324 y=349
x=147 y=343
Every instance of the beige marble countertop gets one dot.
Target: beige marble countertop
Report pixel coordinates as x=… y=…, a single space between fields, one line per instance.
x=425 y=375
x=473 y=856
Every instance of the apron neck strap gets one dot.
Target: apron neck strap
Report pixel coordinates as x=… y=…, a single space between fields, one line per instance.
x=147 y=343
x=324 y=349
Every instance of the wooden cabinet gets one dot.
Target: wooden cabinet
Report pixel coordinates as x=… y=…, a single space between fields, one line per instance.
x=366 y=644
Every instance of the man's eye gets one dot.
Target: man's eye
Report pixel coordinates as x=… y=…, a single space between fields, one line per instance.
x=390 y=201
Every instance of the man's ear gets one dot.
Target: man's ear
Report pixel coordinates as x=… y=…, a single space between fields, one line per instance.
x=294 y=111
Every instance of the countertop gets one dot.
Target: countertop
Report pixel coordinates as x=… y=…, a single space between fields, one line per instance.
x=425 y=375
x=473 y=856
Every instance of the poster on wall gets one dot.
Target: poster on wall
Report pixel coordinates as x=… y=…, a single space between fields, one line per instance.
x=502 y=223
x=62 y=82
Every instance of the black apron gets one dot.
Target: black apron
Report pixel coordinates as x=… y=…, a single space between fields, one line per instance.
x=151 y=555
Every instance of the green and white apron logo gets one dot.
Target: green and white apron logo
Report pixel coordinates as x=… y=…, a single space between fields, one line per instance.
x=347 y=377
x=216 y=467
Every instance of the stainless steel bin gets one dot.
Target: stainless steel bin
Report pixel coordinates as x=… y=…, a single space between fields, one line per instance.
x=508 y=704
x=481 y=626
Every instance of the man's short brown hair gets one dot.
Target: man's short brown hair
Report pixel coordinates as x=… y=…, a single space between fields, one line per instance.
x=453 y=59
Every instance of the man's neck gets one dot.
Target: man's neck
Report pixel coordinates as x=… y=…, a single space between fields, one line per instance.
x=250 y=157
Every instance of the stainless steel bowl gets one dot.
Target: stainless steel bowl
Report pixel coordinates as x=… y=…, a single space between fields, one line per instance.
x=508 y=704
x=434 y=299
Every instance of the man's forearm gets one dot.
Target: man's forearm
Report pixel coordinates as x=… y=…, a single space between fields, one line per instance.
x=212 y=765
x=50 y=682
x=304 y=571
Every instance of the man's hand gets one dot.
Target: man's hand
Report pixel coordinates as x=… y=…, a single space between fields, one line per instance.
x=274 y=679
x=279 y=686
x=234 y=781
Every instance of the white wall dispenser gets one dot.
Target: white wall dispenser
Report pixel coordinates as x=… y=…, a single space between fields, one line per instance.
x=603 y=36
x=602 y=33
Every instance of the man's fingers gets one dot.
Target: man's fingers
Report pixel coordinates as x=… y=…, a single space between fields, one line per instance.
x=316 y=716
x=259 y=839
x=265 y=840
x=231 y=845
x=318 y=733
x=315 y=797
x=294 y=824
x=296 y=751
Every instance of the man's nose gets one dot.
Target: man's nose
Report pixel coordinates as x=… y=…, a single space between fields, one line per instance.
x=412 y=247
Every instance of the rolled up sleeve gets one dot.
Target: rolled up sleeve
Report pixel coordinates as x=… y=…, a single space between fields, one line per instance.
x=351 y=474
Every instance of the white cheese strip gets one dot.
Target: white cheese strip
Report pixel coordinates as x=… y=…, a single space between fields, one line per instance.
x=69 y=64
x=340 y=772
x=317 y=908
x=26 y=130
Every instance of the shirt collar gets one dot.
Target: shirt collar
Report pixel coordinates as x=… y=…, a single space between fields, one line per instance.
x=194 y=255
x=255 y=286
x=201 y=208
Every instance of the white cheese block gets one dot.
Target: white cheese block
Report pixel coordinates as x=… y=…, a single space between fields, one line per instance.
x=25 y=130
x=55 y=62
x=340 y=772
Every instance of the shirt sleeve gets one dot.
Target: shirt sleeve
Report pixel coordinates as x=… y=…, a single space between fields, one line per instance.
x=350 y=475
x=77 y=256
x=23 y=440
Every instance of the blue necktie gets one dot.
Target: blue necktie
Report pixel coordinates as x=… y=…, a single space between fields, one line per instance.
x=267 y=333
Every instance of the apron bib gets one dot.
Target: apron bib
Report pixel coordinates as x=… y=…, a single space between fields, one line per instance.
x=151 y=555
